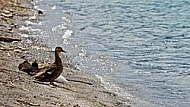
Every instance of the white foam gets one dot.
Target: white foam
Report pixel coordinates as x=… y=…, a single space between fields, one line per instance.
x=114 y=88
x=83 y=52
x=38 y=30
x=122 y=93
x=67 y=34
x=32 y=18
x=36 y=7
x=32 y=23
x=24 y=35
x=29 y=23
x=23 y=28
x=61 y=27
x=32 y=2
x=53 y=7
x=39 y=23
x=66 y=20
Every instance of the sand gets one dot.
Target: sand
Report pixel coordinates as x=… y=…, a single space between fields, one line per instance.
x=20 y=90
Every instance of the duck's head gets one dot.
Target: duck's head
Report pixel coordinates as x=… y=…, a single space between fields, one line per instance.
x=35 y=64
x=59 y=49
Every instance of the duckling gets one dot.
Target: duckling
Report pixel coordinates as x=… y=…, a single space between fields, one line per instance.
x=28 y=68
x=52 y=71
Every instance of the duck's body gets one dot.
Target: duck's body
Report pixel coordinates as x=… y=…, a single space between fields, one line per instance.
x=51 y=72
x=28 y=68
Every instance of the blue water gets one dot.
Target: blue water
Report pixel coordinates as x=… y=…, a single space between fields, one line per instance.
x=143 y=45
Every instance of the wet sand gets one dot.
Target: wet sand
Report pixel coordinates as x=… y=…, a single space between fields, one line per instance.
x=20 y=90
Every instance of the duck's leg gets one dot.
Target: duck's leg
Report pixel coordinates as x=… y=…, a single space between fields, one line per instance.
x=52 y=83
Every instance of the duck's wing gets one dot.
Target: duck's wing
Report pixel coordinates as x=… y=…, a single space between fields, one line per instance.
x=47 y=69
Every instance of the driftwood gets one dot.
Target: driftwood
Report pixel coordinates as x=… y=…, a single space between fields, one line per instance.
x=9 y=39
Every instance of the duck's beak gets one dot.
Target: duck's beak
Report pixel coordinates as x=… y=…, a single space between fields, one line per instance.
x=63 y=51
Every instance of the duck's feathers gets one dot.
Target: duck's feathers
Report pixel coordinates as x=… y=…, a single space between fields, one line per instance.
x=46 y=70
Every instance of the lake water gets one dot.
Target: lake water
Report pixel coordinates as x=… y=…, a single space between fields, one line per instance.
x=138 y=47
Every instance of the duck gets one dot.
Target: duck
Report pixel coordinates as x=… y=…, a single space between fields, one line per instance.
x=52 y=71
x=28 y=68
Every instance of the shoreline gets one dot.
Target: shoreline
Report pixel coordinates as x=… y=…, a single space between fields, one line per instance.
x=21 y=90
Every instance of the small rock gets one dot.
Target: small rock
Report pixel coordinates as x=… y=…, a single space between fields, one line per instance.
x=40 y=12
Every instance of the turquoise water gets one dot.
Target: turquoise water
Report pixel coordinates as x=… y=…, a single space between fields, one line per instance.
x=143 y=45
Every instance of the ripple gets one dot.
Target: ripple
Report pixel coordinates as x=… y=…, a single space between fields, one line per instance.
x=143 y=43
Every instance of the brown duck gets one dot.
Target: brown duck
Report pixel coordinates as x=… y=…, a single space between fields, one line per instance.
x=52 y=71
x=28 y=68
